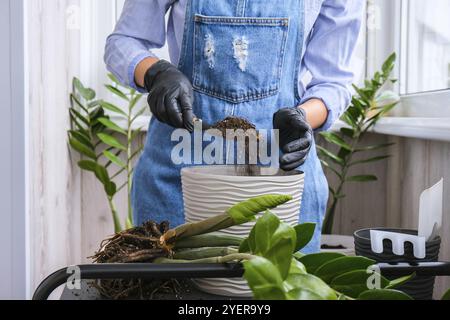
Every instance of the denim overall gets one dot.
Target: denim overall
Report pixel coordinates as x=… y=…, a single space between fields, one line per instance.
x=243 y=59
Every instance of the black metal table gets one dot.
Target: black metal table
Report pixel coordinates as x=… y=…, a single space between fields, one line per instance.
x=189 y=271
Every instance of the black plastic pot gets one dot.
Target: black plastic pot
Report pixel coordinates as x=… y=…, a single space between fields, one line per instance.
x=420 y=288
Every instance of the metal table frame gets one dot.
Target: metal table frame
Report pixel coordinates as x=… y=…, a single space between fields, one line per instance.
x=193 y=271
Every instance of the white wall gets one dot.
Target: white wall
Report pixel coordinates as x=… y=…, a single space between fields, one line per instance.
x=13 y=263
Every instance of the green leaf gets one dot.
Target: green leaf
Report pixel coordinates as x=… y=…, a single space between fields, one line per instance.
x=297 y=283
x=265 y=228
x=88 y=165
x=354 y=283
x=114 y=159
x=244 y=247
x=388 y=65
x=384 y=294
x=245 y=211
x=113 y=108
x=139 y=113
x=374 y=159
x=446 y=295
x=75 y=100
x=348 y=132
x=335 y=139
x=111 y=141
x=305 y=233
x=86 y=93
x=102 y=175
x=400 y=281
x=314 y=261
x=329 y=167
x=79 y=116
x=362 y=178
x=117 y=92
x=330 y=155
x=114 y=79
x=82 y=148
x=82 y=138
x=112 y=126
x=339 y=266
x=303 y=295
x=348 y=119
x=374 y=147
x=135 y=101
x=263 y=278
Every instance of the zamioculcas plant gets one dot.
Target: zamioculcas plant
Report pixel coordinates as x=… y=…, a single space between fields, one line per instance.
x=368 y=105
x=105 y=142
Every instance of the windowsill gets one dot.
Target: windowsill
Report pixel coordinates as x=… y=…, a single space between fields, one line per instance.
x=411 y=127
x=408 y=127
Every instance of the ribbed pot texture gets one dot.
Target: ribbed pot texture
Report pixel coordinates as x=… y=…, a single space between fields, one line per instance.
x=420 y=288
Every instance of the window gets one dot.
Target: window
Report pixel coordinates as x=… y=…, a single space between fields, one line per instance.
x=425 y=46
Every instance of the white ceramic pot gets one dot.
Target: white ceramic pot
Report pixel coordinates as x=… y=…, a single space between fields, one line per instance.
x=211 y=190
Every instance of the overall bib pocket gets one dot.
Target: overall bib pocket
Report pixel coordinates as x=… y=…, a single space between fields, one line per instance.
x=239 y=59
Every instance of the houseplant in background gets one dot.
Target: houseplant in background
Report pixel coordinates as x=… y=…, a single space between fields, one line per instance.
x=106 y=143
x=369 y=104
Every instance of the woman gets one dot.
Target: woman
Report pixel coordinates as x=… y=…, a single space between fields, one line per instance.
x=236 y=57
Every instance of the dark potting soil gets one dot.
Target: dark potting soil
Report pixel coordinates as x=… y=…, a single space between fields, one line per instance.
x=233 y=123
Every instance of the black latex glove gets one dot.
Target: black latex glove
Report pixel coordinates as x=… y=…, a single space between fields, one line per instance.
x=170 y=95
x=296 y=137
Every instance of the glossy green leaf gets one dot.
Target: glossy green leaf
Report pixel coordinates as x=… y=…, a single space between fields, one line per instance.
x=374 y=147
x=339 y=266
x=111 y=141
x=82 y=138
x=244 y=247
x=79 y=116
x=348 y=132
x=117 y=92
x=114 y=79
x=265 y=228
x=111 y=125
x=75 y=101
x=314 y=261
x=245 y=211
x=335 y=139
x=310 y=283
x=362 y=178
x=303 y=295
x=354 y=283
x=114 y=159
x=400 y=281
x=446 y=295
x=260 y=271
x=113 y=108
x=86 y=93
x=82 y=148
x=384 y=294
x=305 y=233
x=135 y=101
x=138 y=114
x=370 y=160
x=330 y=155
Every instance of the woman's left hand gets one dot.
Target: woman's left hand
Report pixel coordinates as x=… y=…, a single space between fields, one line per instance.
x=296 y=137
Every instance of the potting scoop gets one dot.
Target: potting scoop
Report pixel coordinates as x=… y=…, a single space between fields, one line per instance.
x=430 y=211
x=398 y=243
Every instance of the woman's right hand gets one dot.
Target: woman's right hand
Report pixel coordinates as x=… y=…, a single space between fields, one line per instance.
x=171 y=95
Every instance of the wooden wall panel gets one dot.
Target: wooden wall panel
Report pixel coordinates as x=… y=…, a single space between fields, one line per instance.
x=55 y=232
x=393 y=201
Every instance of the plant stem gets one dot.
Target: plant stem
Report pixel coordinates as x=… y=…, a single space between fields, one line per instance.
x=115 y=215
x=130 y=222
x=224 y=259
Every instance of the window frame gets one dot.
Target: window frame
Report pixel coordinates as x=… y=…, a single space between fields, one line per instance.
x=393 y=37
